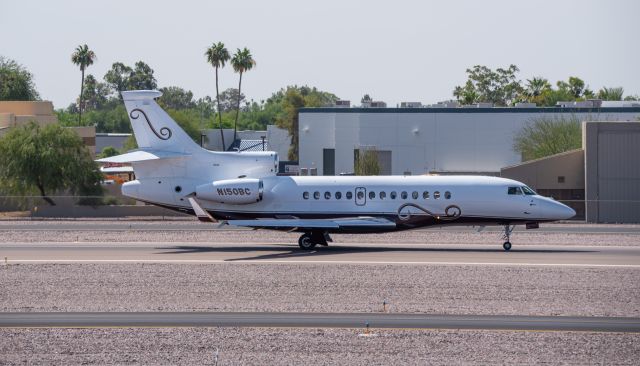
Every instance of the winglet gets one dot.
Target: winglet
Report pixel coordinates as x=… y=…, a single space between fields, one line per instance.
x=201 y=213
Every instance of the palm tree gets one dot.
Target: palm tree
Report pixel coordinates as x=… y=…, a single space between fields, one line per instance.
x=611 y=93
x=82 y=57
x=217 y=55
x=537 y=85
x=242 y=61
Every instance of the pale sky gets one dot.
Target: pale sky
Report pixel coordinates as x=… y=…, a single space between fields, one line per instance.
x=393 y=50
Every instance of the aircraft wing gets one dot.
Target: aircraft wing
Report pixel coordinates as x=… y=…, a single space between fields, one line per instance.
x=345 y=223
x=142 y=155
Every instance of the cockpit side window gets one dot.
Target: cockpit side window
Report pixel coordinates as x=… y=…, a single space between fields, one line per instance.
x=528 y=191
x=514 y=190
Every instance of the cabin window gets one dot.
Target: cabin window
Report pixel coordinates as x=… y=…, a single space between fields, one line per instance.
x=425 y=195
x=514 y=190
x=393 y=195
x=447 y=195
x=360 y=195
x=404 y=195
x=414 y=194
x=372 y=195
x=338 y=195
x=327 y=195
x=528 y=191
x=349 y=195
x=305 y=195
x=316 y=195
x=383 y=194
x=436 y=195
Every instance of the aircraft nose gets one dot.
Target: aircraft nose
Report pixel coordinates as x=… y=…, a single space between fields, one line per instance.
x=564 y=212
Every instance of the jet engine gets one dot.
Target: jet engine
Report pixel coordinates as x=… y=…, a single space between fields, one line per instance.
x=241 y=191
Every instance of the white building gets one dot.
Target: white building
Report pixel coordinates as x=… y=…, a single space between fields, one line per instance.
x=426 y=140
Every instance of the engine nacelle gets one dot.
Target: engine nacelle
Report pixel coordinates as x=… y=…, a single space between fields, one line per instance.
x=241 y=191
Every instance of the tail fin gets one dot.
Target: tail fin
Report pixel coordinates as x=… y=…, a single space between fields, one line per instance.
x=153 y=127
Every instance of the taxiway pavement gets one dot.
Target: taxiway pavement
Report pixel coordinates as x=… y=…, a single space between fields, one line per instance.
x=390 y=253
x=318 y=320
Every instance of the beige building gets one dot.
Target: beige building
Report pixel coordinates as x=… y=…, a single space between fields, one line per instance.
x=601 y=181
x=19 y=113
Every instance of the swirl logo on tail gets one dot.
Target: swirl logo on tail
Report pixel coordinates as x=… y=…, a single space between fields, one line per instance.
x=451 y=212
x=165 y=132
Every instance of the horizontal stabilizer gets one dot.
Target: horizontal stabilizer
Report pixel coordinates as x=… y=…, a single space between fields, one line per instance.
x=356 y=222
x=142 y=155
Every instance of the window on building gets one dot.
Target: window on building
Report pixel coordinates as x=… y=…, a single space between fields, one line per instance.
x=447 y=195
x=393 y=195
x=338 y=195
x=372 y=195
x=425 y=195
x=349 y=195
x=382 y=195
x=404 y=195
x=436 y=195
x=316 y=195
x=414 y=195
x=561 y=179
x=514 y=190
x=327 y=195
x=305 y=195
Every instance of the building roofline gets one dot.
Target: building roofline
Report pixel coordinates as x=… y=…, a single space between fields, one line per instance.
x=474 y=110
x=544 y=158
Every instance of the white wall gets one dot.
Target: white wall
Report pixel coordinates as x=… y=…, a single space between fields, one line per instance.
x=424 y=141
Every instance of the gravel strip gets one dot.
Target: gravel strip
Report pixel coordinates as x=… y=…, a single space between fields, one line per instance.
x=265 y=236
x=250 y=346
x=321 y=288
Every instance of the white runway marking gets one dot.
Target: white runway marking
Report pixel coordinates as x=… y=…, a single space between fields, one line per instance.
x=245 y=261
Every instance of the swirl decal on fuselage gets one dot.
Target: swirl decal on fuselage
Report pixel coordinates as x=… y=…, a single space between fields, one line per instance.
x=165 y=132
x=451 y=212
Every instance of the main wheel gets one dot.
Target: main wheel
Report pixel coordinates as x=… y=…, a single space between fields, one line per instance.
x=506 y=245
x=305 y=242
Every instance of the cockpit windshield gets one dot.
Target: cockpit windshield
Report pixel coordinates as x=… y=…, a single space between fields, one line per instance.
x=528 y=191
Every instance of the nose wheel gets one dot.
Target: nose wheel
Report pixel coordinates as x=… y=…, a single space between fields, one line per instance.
x=506 y=237
x=306 y=242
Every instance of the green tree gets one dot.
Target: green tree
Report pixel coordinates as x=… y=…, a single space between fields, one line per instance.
x=16 y=83
x=83 y=57
x=218 y=55
x=499 y=87
x=108 y=151
x=142 y=78
x=242 y=61
x=118 y=77
x=229 y=99
x=174 y=97
x=286 y=104
x=45 y=160
x=96 y=94
x=611 y=93
x=366 y=162
x=536 y=86
x=545 y=136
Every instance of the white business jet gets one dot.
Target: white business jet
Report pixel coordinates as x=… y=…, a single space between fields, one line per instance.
x=243 y=189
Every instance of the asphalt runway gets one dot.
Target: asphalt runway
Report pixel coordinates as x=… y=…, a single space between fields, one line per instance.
x=318 y=320
x=188 y=224
x=390 y=253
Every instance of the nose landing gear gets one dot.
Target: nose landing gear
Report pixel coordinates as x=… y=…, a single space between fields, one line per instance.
x=506 y=236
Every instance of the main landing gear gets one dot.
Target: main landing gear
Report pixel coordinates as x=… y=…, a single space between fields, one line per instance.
x=309 y=240
x=506 y=236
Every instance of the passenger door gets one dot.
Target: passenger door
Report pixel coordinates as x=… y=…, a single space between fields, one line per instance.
x=361 y=196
